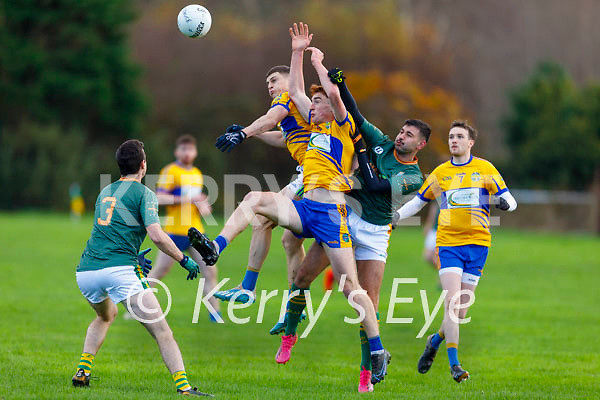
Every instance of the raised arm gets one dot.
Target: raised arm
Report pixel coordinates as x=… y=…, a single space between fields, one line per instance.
x=300 y=41
x=333 y=93
x=337 y=77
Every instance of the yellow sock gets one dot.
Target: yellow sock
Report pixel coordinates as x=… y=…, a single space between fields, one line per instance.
x=441 y=333
x=86 y=361
x=181 y=382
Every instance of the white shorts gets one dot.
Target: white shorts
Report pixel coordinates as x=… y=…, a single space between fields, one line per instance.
x=297 y=185
x=430 y=239
x=118 y=283
x=370 y=241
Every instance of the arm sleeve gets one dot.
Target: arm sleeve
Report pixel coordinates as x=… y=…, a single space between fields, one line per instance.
x=350 y=104
x=166 y=181
x=406 y=183
x=510 y=200
x=494 y=182
x=149 y=208
x=411 y=208
x=282 y=100
x=372 y=181
x=430 y=189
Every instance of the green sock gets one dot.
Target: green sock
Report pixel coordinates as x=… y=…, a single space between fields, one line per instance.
x=294 y=310
x=365 y=349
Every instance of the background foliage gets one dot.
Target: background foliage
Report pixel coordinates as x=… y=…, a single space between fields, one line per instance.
x=79 y=77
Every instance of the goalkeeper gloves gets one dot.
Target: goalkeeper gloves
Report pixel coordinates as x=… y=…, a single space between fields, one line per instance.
x=191 y=266
x=144 y=262
x=336 y=75
x=233 y=136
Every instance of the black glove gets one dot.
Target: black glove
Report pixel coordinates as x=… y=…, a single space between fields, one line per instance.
x=233 y=136
x=502 y=204
x=336 y=75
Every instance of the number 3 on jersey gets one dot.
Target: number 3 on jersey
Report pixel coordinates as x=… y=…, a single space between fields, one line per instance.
x=109 y=210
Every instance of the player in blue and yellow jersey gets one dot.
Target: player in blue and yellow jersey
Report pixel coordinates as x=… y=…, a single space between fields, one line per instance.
x=294 y=135
x=322 y=213
x=463 y=187
x=180 y=189
x=108 y=272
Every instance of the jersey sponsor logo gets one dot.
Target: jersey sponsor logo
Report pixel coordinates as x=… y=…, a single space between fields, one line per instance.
x=190 y=191
x=461 y=198
x=378 y=149
x=320 y=141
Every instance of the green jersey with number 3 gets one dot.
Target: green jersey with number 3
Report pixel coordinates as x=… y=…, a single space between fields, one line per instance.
x=404 y=177
x=123 y=211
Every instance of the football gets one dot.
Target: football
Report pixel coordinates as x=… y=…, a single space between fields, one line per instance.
x=194 y=21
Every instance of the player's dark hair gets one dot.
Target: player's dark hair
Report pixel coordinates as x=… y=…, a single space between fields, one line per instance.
x=465 y=125
x=422 y=126
x=185 y=139
x=314 y=89
x=282 y=69
x=130 y=155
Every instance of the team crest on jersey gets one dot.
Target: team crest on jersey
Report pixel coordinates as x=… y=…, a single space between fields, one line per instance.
x=320 y=141
x=346 y=237
x=446 y=178
x=277 y=98
x=378 y=149
x=475 y=177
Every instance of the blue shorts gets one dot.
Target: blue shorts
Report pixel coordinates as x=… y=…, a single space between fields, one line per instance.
x=181 y=241
x=327 y=223
x=467 y=260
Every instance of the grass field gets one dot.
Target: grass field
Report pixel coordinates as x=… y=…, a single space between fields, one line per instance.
x=534 y=330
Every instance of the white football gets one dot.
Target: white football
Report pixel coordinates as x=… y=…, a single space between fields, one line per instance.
x=194 y=21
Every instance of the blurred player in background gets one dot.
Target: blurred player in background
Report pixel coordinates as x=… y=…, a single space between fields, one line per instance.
x=108 y=271
x=179 y=188
x=463 y=187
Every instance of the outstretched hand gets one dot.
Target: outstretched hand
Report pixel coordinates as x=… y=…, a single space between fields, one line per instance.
x=300 y=36
x=316 y=56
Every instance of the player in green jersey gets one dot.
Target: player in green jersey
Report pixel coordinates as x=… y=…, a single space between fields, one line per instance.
x=108 y=272
x=388 y=171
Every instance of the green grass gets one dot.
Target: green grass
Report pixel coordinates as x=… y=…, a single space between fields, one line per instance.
x=534 y=330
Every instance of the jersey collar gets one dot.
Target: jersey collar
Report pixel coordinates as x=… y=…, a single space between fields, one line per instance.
x=413 y=162
x=460 y=165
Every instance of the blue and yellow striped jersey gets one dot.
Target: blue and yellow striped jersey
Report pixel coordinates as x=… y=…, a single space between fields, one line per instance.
x=295 y=129
x=463 y=192
x=176 y=180
x=328 y=159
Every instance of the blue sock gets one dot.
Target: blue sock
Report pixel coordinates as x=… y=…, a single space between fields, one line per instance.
x=375 y=345
x=249 y=282
x=221 y=243
x=452 y=354
x=436 y=341
x=212 y=318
